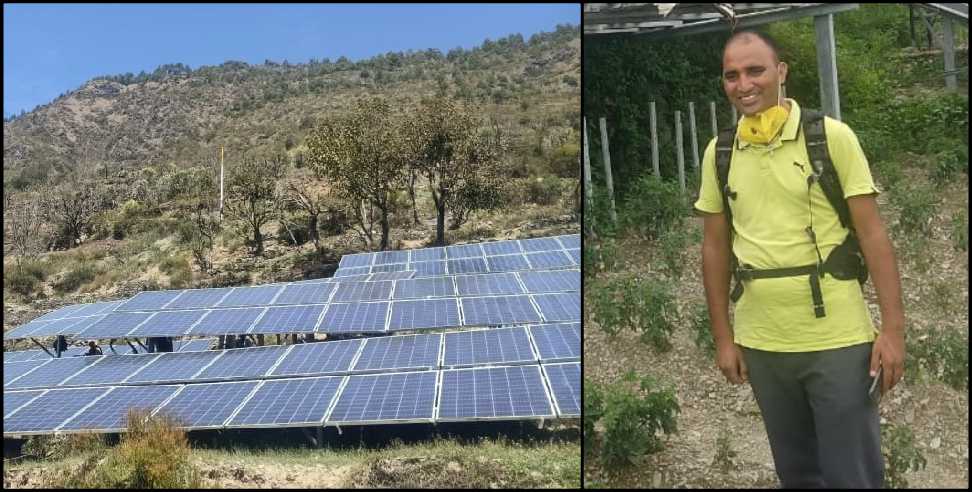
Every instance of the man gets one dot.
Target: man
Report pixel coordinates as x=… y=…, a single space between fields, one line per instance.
x=93 y=349
x=809 y=350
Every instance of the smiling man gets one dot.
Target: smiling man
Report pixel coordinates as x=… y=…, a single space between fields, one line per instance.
x=789 y=211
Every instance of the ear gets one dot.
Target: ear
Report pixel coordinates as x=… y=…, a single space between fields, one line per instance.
x=783 y=69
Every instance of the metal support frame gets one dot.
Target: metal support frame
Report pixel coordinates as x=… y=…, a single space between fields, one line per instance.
x=827 y=65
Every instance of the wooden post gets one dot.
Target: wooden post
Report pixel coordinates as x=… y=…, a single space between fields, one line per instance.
x=827 y=65
x=654 y=140
x=948 y=49
x=695 y=140
x=678 y=150
x=606 y=154
x=588 y=191
x=715 y=127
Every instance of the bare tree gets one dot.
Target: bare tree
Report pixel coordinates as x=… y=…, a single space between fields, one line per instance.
x=70 y=205
x=304 y=190
x=24 y=223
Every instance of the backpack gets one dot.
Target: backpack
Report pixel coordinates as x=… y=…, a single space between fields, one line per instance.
x=845 y=262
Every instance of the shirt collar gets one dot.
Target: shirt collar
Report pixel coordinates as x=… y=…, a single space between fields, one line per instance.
x=789 y=131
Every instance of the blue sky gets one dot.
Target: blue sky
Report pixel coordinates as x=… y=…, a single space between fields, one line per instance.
x=49 y=49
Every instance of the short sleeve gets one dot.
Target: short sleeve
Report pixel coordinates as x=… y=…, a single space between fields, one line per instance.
x=710 y=196
x=849 y=160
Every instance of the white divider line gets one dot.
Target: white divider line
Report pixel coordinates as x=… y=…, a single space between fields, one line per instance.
x=279 y=360
x=543 y=318
x=549 y=391
x=256 y=321
x=437 y=402
x=275 y=296
x=162 y=307
x=357 y=355
x=48 y=361
x=85 y=368
x=221 y=299
x=201 y=370
x=533 y=343
x=243 y=403
x=167 y=400
x=72 y=417
x=28 y=402
x=337 y=396
x=141 y=368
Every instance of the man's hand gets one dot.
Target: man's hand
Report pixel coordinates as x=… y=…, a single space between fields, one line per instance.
x=888 y=351
x=729 y=358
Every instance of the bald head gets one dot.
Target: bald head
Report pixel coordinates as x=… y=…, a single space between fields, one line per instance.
x=748 y=37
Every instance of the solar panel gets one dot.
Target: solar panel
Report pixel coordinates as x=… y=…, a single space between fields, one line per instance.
x=551 y=281
x=52 y=373
x=390 y=268
x=20 y=355
x=226 y=321
x=289 y=319
x=149 y=300
x=549 y=259
x=570 y=241
x=425 y=313
x=387 y=257
x=507 y=263
x=488 y=284
x=348 y=272
x=493 y=393
x=318 y=358
x=500 y=310
x=113 y=369
x=363 y=291
x=60 y=313
x=175 y=366
x=467 y=265
x=428 y=268
x=428 y=254
x=540 y=244
x=559 y=342
x=207 y=406
x=559 y=307
x=251 y=296
x=305 y=294
x=464 y=251
x=386 y=398
x=110 y=412
x=14 y=370
x=354 y=318
x=374 y=277
x=420 y=288
x=65 y=326
x=12 y=400
x=399 y=353
x=114 y=325
x=243 y=363
x=575 y=256
x=288 y=402
x=168 y=324
x=199 y=298
x=26 y=329
x=50 y=410
x=356 y=260
x=192 y=345
x=565 y=387
x=501 y=248
x=97 y=308
x=481 y=347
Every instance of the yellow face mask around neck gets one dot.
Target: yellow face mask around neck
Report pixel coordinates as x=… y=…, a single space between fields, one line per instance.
x=763 y=127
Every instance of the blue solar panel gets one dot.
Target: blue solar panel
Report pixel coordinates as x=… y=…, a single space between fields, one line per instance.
x=60 y=313
x=428 y=254
x=110 y=413
x=422 y=288
x=467 y=265
x=565 y=387
x=288 y=402
x=481 y=347
x=318 y=358
x=175 y=366
x=149 y=300
x=507 y=263
x=386 y=257
x=570 y=241
x=115 y=325
x=226 y=321
x=305 y=294
x=390 y=268
x=348 y=272
x=48 y=411
x=251 y=296
x=113 y=369
x=575 y=256
x=488 y=284
x=14 y=370
x=425 y=313
x=428 y=268
x=289 y=319
x=540 y=244
x=52 y=373
x=200 y=406
x=354 y=318
x=356 y=260
x=192 y=345
x=363 y=291
x=559 y=307
x=65 y=326
x=549 y=259
x=551 y=281
x=559 y=342
x=501 y=310
x=97 y=308
x=26 y=329
x=374 y=277
x=405 y=396
x=168 y=324
x=404 y=352
x=20 y=355
x=12 y=400
x=501 y=248
x=493 y=393
x=200 y=298
x=245 y=363
x=464 y=251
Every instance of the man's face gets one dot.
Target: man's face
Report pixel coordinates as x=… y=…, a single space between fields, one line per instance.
x=751 y=75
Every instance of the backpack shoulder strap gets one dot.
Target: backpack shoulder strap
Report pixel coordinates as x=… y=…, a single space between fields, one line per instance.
x=812 y=124
x=724 y=145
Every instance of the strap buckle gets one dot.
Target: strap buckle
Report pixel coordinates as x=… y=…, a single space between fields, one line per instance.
x=744 y=273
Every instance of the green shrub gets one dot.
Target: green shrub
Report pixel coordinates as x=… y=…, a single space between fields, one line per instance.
x=641 y=305
x=544 y=190
x=632 y=419
x=944 y=354
x=887 y=173
x=73 y=279
x=900 y=455
x=917 y=205
x=600 y=255
x=702 y=325
x=21 y=282
x=652 y=207
x=672 y=245
x=564 y=162
x=593 y=410
x=948 y=163
x=960 y=231
x=598 y=216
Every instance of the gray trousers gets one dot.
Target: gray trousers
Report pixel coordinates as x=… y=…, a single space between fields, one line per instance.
x=823 y=428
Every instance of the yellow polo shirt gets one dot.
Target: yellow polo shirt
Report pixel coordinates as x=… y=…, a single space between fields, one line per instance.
x=770 y=214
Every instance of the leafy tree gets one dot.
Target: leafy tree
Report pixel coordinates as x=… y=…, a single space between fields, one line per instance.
x=250 y=200
x=70 y=206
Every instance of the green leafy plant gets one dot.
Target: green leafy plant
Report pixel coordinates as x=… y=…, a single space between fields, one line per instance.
x=632 y=419
x=652 y=207
x=960 y=231
x=917 y=205
x=593 y=410
x=900 y=455
x=703 y=329
x=646 y=306
x=672 y=245
x=725 y=456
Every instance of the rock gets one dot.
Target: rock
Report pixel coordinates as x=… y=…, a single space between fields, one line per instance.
x=935 y=443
